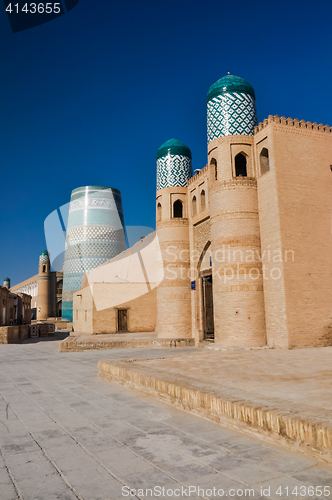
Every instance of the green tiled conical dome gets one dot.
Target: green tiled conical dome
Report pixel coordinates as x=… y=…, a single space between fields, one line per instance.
x=173 y=147
x=44 y=252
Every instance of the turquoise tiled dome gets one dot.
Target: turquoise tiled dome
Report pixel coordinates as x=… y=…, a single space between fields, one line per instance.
x=44 y=255
x=231 y=108
x=6 y=279
x=173 y=147
x=230 y=83
x=174 y=167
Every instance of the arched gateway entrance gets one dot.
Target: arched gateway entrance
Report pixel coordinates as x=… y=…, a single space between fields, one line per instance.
x=206 y=287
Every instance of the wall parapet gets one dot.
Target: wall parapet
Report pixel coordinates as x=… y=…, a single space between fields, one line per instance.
x=293 y=123
x=198 y=175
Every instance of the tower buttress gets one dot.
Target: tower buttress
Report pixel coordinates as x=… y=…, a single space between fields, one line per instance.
x=174 y=168
x=239 y=315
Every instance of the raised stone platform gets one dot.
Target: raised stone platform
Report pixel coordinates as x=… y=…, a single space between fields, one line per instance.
x=282 y=395
x=85 y=342
x=13 y=334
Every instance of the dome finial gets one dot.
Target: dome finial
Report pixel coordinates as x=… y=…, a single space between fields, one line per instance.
x=229 y=73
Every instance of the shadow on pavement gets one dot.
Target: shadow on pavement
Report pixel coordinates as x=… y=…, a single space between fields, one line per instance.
x=59 y=335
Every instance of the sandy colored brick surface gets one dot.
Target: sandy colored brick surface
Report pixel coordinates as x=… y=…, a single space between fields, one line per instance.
x=83 y=342
x=284 y=395
x=298 y=380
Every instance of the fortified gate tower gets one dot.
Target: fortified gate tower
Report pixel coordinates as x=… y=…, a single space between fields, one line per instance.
x=238 y=300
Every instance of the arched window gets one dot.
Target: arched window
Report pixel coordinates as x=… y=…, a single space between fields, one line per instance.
x=178 y=209
x=264 y=161
x=240 y=165
x=214 y=169
x=203 y=200
x=194 y=206
x=159 y=212
x=44 y=268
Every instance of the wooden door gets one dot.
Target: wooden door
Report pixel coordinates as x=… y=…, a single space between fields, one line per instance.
x=208 y=308
x=122 y=320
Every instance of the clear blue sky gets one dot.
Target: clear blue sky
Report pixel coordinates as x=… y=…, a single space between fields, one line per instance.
x=88 y=98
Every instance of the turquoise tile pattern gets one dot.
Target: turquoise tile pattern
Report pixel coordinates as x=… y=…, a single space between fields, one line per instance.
x=231 y=108
x=95 y=234
x=230 y=83
x=44 y=256
x=174 y=164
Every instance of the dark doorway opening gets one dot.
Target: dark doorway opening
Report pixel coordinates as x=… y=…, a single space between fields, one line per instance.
x=208 y=307
x=122 y=320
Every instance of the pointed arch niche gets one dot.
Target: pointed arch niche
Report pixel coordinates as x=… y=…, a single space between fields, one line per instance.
x=242 y=163
x=159 y=212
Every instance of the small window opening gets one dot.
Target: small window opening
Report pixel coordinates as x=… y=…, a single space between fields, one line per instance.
x=264 y=161
x=158 y=212
x=240 y=165
x=214 y=169
x=203 y=200
x=194 y=206
x=178 y=209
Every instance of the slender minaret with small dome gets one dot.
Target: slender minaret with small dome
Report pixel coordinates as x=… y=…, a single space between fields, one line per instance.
x=174 y=169
x=6 y=283
x=44 y=274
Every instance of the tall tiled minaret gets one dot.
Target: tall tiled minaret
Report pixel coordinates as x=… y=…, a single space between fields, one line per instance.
x=95 y=234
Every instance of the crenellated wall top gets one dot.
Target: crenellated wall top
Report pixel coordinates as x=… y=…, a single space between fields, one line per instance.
x=198 y=176
x=293 y=123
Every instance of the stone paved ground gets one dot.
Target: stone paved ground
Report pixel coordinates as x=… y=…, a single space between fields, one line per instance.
x=65 y=434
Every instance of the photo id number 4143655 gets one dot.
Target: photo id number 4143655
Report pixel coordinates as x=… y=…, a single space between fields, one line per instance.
x=302 y=491
x=35 y=8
